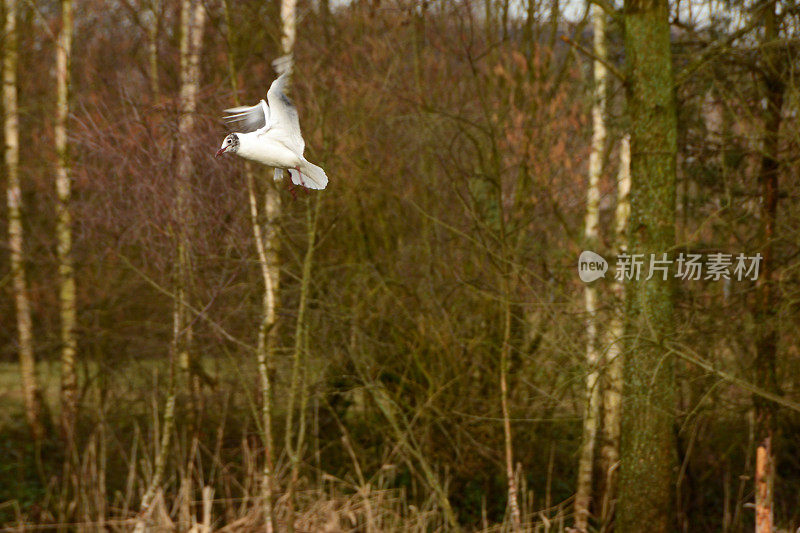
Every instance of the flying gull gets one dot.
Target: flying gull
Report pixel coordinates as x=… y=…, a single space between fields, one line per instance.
x=271 y=136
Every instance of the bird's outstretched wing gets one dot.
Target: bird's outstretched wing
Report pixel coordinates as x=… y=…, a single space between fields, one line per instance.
x=283 y=121
x=249 y=118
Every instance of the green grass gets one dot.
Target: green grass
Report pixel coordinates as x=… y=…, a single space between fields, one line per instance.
x=11 y=402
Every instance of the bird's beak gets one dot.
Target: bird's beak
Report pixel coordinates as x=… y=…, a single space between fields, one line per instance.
x=219 y=152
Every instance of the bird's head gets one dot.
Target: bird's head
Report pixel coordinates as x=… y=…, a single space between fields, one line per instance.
x=230 y=144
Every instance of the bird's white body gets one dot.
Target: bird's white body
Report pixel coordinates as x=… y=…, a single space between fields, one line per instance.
x=264 y=149
x=273 y=138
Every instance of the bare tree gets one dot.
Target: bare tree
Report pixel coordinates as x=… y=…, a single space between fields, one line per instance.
x=768 y=297
x=267 y=243
x=508 y=448
x=30 y=387
x=66 y=271
x=288 y=25
x=294 y=443
x=192 y=25
x=612 y=357
x=153 y=26
x=583 y=494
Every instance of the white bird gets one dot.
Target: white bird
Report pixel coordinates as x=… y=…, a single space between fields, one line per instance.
x=271 y=135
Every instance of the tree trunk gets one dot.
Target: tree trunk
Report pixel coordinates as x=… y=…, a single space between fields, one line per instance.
x=192 y=24
x=266 y=241
x=66 y=278
x=152 y=46
x=583 y=494
x=505 y=352
x=293 y=443
x=646 y=477
x=768 y=298
x=30 y=387
x=612 y=359
x=268 y=251
x=765 y=477
x=288 y=25
x=266 y=336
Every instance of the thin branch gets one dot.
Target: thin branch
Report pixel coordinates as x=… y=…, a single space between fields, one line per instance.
x=686 y=354
x=717 y=46
x=610 y=66
x=43 y=20
x=198 y=312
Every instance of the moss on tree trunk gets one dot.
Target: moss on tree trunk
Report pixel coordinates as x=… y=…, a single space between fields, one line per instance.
x=646 y=476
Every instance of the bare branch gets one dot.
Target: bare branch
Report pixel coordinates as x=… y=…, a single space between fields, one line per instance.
x=611 y=68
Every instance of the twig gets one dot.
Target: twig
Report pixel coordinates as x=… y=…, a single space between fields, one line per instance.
x=715 y=47
x=754 y=389
x=39 y=15
x=199 y=313
x=611 y=68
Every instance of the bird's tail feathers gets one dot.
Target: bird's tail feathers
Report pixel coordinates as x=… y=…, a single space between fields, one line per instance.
x=313 y=177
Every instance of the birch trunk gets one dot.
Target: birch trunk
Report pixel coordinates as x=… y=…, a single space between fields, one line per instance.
x=293 y=447
x=288 y=26
x=612 y=359
x=66 y=271
x=266 y=241
x=30 y=386
x=152 y=46
x=505 y=352
x=768 y=297
x=647 y=448
x=583 y=494
x=192 y=24
x=267 y=256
